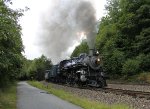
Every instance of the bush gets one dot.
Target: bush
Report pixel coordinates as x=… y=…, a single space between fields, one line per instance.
x=145 y=63
x=144 y=77
x=113 y=63
x=131 y=67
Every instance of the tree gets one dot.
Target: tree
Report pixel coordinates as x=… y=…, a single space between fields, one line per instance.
x=125 y=29
x=10 y=44
x=35 y=69
x=41 y=64
x=82 y=48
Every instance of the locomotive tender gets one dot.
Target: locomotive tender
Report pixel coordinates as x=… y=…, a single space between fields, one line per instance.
x=84 y=70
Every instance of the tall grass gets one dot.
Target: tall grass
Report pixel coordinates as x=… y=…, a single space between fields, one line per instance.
x=82 y=102
x=8 y=97
x=144 y=77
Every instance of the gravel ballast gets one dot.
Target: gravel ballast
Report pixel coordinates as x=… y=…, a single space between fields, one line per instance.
x=144 y=88
x=109 y=98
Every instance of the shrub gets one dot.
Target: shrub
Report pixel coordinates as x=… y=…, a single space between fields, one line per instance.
x=114 y=62
x=145 y=63
x=144 y=77
x=131 y=67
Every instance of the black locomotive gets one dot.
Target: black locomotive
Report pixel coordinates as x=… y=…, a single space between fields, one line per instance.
x=84 y=70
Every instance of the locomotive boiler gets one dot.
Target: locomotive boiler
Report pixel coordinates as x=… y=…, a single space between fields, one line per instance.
x=84 y=70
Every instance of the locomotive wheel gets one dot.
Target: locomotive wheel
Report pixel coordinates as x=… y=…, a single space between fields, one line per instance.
x=68 y=80
x=101 y=82
x=75 y=82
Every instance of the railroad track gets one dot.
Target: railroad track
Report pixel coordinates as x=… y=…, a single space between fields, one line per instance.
x=134 y=94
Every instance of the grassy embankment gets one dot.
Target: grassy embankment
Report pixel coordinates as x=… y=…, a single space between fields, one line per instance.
x=139 y=79
x=8 y=97
x=83 y=102
x=142 y=78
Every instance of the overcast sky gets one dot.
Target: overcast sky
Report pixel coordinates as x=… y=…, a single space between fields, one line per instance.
x=31 y=18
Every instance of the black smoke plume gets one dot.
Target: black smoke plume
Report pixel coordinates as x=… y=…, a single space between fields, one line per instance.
x=60 y=25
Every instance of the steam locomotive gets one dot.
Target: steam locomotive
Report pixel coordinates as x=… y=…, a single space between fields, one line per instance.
x=84 y=70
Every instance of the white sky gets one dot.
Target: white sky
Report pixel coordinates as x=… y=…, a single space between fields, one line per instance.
x=31 y=19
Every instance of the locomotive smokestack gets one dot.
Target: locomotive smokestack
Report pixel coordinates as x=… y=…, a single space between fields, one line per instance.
x=91 y=51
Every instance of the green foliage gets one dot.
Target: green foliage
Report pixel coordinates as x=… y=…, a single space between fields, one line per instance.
x=24 y=74
x=113 y=62
x=10 y=44
x=143 y=41
x=82 y=48
x=129 y=36
x=40 y=65
x=131 y=67
x=145 y=63
x=35 y=69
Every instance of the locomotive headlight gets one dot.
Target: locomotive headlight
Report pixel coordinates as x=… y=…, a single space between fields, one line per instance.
x=98 y=61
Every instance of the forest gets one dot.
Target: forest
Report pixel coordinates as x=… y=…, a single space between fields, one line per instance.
x=123 y=41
